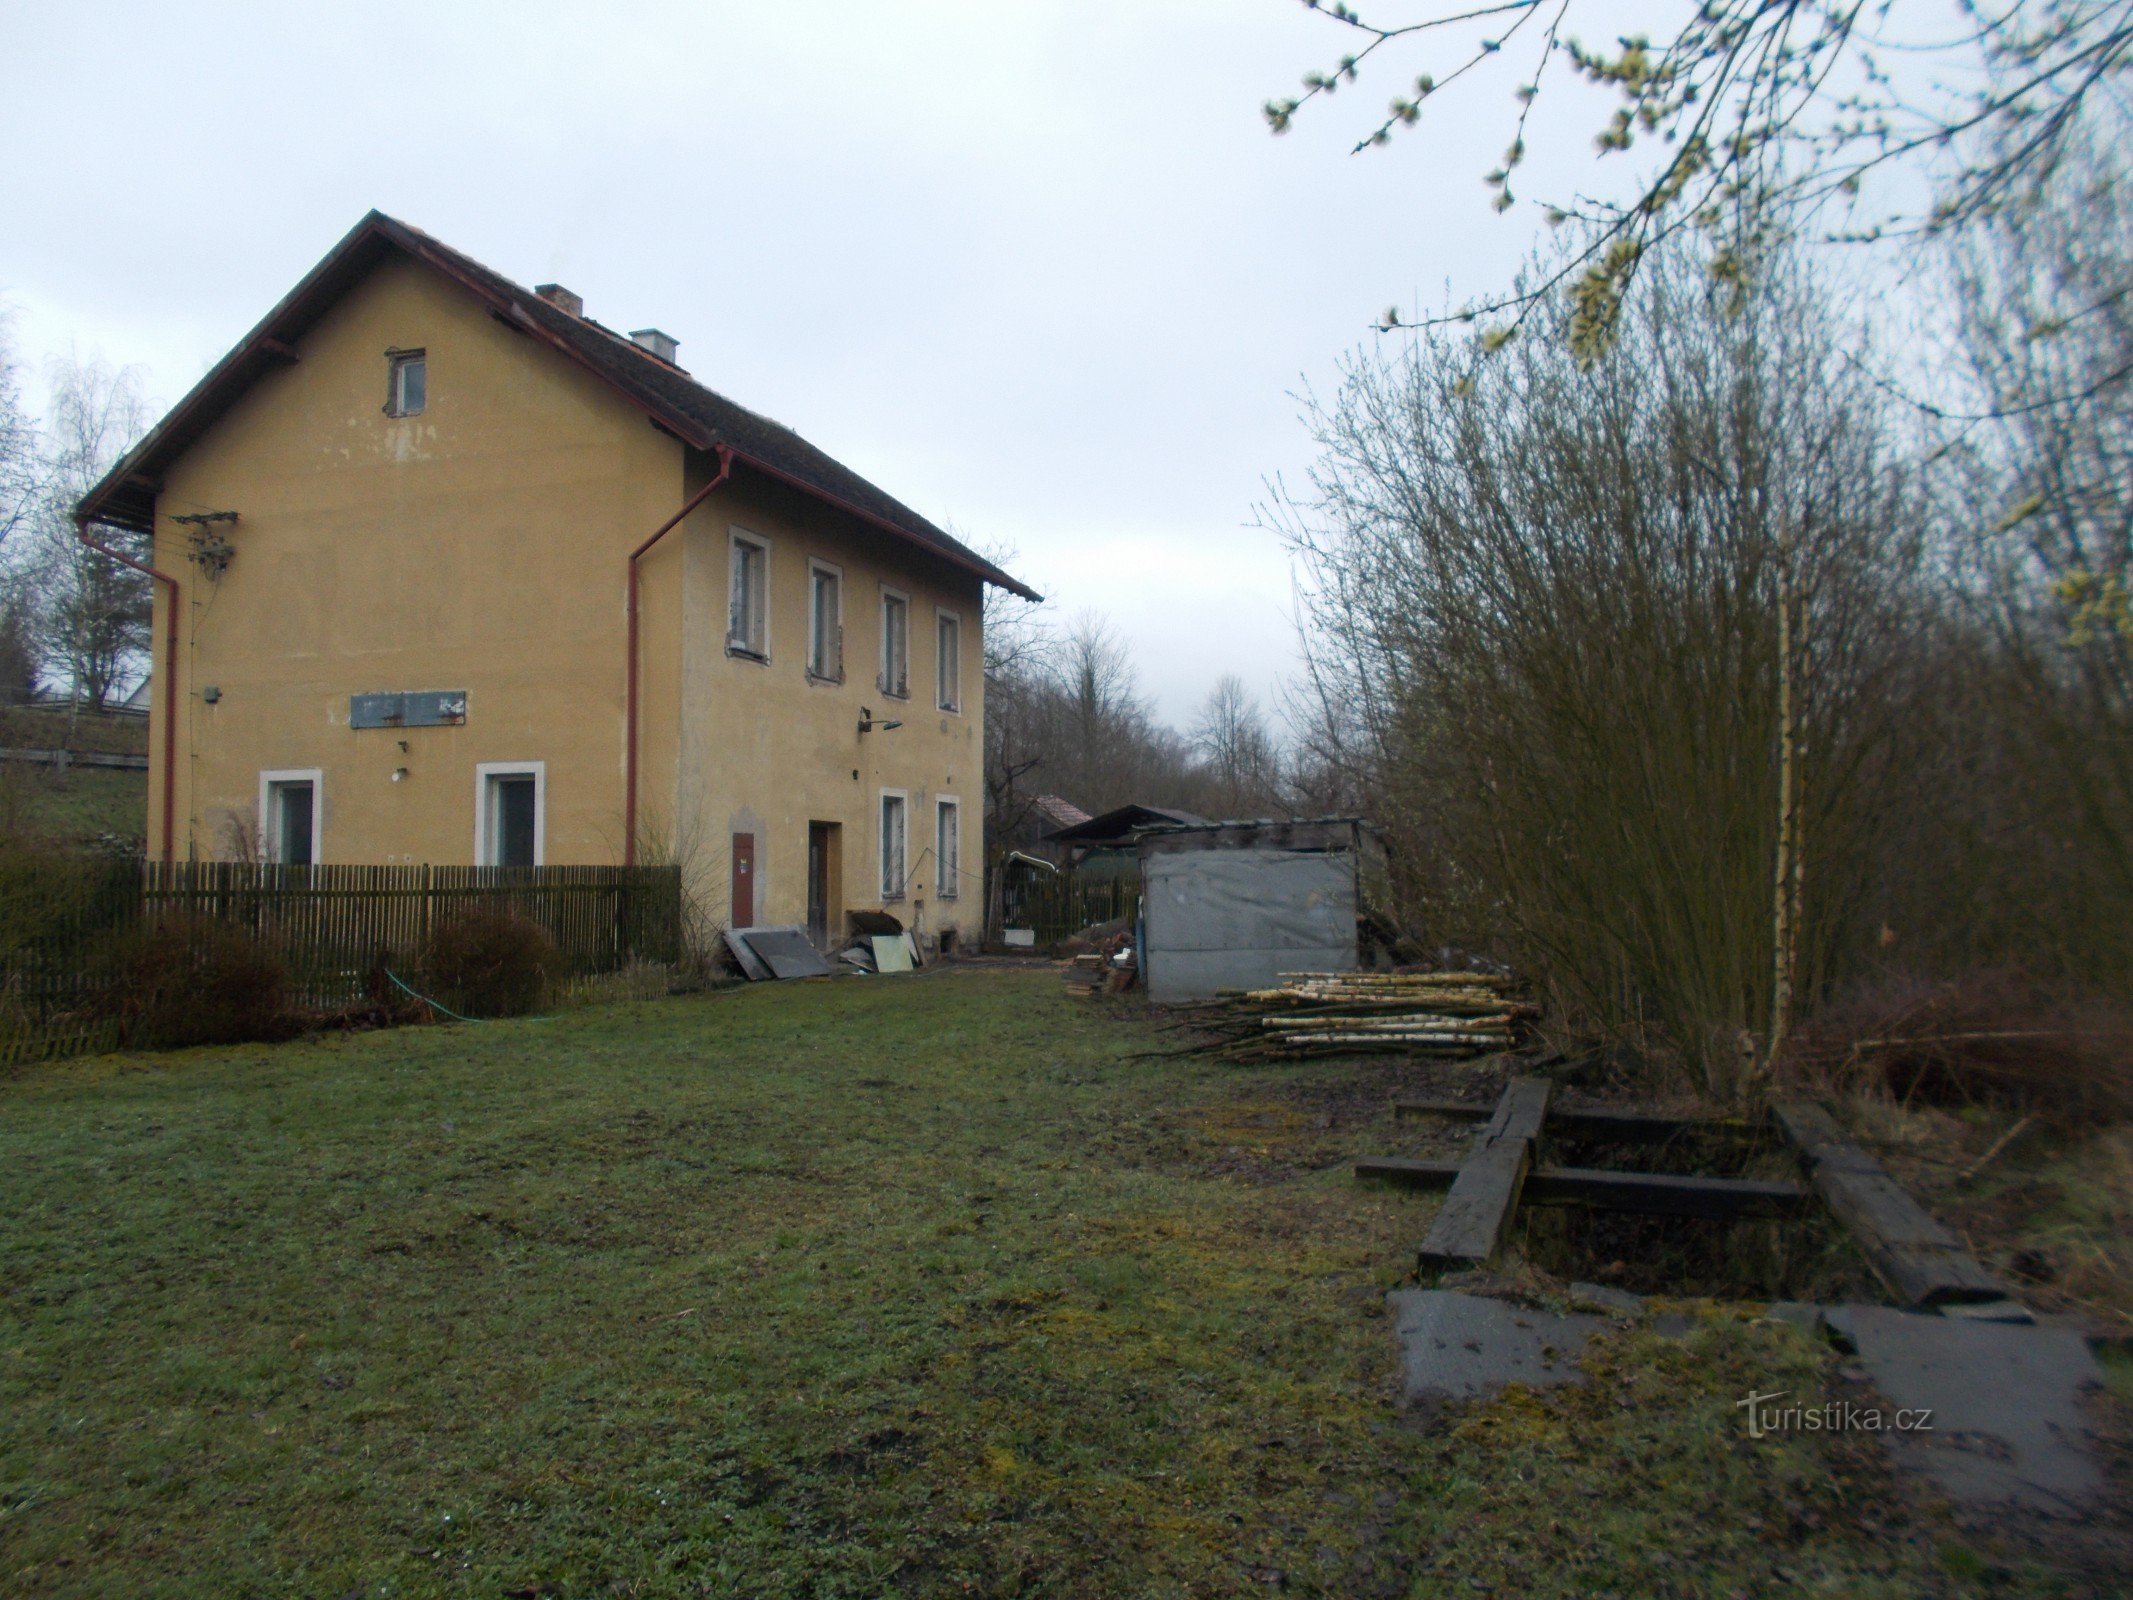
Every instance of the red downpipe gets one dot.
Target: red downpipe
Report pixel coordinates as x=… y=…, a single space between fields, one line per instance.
x=629 y=754
x=170 y=684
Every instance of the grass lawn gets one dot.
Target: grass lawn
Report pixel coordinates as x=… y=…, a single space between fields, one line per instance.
x=875 y=1286
x=65 y=808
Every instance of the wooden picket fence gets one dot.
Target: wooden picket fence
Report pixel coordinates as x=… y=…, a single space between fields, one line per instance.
x=331 y=925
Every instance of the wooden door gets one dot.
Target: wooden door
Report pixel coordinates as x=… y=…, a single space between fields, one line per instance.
x=744 y=880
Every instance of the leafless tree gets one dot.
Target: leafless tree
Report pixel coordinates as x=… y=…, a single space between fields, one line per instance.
x=2038 y=479
x=21 y=483
x=96 y=611
x=1543 y=598
x=1237 y=751
x=1748 y=106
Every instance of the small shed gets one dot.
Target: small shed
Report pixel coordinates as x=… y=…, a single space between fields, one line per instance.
x=1103 y=846
x=1233 y=905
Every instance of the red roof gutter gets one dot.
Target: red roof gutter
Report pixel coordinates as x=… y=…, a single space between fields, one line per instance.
x=629 y=753
x=170 y=682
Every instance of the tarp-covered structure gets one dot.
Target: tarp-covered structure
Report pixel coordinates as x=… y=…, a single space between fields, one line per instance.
x=1233 y=905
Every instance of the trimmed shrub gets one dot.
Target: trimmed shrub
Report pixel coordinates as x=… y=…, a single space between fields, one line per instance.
x=196 y=980
x=490 y=962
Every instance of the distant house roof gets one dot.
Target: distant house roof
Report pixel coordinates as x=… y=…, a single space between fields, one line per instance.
x=1119 y=824
x=667 y=395
x=1059 y=813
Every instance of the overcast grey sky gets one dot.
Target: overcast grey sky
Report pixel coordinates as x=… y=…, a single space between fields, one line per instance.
x=1036 y=267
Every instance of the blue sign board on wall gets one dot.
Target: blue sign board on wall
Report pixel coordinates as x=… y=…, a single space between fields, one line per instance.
x=429 y=708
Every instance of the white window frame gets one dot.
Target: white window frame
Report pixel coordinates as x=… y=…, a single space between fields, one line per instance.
x=881 y=845
x=947 y=696
x=397 y=362
x=887 y=685
x=945 y=871
x=270 y=813
x=484 y=813
x=735 y=538
x=835 y=659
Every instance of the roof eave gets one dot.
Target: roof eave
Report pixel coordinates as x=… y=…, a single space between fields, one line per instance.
x=125 y=496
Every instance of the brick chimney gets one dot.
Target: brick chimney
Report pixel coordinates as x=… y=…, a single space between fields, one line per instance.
x=561 y=298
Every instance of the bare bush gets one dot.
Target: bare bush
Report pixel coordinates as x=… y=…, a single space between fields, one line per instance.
x=1992 y=1036
x=490 y=962
x=1542 y=603
x=182 y=981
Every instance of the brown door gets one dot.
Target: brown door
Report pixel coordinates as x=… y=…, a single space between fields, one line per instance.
x=744 y=880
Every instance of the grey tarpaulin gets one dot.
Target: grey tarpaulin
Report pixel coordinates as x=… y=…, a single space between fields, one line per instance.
x=1239 y=918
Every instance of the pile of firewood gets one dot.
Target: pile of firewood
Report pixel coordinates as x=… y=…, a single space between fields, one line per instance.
x=1445 y=1015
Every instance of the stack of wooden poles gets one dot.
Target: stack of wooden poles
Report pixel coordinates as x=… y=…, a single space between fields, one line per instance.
x=1447 y=1015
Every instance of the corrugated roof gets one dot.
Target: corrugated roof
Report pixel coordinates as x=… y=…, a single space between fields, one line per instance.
x=1122 y=821
x=698 y=416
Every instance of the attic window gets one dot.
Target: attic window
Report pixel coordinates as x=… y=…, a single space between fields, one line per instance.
x=407 y=386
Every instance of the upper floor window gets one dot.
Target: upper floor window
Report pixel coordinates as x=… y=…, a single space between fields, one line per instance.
x=407 y=389
x=949 y=628
x=895 y=643
x=825 y=622
x=748 y=606
x=892 y=844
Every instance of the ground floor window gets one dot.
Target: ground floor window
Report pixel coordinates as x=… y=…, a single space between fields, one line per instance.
x=289 y=816
x=510 y=813
x=947 y=847
x=892 y=846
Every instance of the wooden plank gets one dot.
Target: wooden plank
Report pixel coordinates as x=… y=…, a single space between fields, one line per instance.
x=1414 y=1173
x=1647 y=1193
x=1643 y=1127
x=1920 y=1260
x=1469 y=1227
x=1647 y=1127
x=1443 y=1108
x=1666 y=1194
x=1521 y=1111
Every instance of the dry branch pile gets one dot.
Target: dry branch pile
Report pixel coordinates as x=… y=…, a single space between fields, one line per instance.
x=1448 y=1015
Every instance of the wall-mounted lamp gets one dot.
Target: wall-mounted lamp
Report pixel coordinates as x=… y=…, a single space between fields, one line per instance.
x=868 y=723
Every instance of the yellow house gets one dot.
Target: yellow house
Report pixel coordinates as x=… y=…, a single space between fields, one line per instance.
x=448 y=572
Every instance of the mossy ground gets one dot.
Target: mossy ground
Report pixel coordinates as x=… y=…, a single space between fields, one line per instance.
x=867 y=1287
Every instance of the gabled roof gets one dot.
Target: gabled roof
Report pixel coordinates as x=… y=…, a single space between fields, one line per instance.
x=664 y=393
x=1120 y=823
x=1059 y=813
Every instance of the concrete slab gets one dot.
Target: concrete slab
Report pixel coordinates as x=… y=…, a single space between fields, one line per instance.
x=1602 y=1297
x=1837 y=1321
x=2008 y=1423
x=1989 y=1311
x=1799 y=1314
x=1458 y=1347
